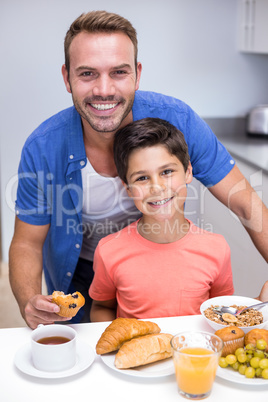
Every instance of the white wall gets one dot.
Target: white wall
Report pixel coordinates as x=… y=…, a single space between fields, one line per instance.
x=187 y=47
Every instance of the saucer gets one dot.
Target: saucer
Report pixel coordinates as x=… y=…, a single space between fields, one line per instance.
x=85 y=357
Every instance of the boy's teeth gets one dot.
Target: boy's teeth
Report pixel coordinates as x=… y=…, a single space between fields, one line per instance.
x=160 y=202
x=104 y=106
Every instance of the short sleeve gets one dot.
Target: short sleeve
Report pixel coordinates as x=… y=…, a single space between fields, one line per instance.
x=210 y=159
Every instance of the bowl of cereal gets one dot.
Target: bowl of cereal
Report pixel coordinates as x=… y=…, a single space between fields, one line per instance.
x=247 y=321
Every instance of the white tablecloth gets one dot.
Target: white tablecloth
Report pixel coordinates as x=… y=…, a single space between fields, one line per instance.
x=101 y=383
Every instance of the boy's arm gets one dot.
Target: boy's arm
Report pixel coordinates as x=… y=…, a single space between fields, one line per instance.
x=103 y=310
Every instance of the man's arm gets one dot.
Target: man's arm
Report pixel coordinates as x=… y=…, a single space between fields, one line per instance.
x=25 y=274
x=235 y=192
x=263 y=296
x=103 y=310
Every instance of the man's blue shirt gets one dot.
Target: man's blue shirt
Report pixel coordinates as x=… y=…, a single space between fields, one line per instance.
x=50 y=183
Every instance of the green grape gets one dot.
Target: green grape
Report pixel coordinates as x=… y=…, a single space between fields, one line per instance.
x=254 y=362
x=250 y=361
x=235 y=366
x=222 y=362
x=238 y=351
x=242 y=369
x=250 y=372
x=259 y=353
x=242 y=357
x=231 y=359
x=258 y=372
x=265 y=374
x=261 y=344
x=263 y=364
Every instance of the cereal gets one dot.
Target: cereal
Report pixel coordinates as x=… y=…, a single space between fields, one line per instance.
x=247 y=319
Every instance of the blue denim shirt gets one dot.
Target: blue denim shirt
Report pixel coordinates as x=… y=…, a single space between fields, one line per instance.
x=50 y=192
x=50 y=183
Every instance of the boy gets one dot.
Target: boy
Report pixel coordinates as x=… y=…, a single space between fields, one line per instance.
x=161 y=265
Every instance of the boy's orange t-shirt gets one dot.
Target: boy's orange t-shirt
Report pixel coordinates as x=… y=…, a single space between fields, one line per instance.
x=152 y=280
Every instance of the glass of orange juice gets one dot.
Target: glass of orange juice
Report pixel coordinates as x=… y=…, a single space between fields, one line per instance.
x=196 y=358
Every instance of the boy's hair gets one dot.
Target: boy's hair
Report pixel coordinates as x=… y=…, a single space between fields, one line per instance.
x=145 y=133
x=99 y=22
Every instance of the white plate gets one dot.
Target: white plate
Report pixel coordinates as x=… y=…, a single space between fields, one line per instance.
x=231 y=375
x=161 y=368
x=85 y=357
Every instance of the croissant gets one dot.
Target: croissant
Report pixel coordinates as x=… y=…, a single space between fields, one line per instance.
x=122 y=330
x=143 y=350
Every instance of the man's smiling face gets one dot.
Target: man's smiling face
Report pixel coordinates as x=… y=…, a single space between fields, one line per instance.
x=103 y=79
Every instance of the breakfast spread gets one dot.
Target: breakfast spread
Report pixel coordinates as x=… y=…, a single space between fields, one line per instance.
x=138 y=342
x=69 y=304
x=250 y=360
x=248 y=318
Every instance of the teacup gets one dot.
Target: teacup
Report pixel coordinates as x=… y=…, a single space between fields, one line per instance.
x=53 y=347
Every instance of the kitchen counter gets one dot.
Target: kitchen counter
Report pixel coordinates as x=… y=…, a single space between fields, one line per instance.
x=232 y=134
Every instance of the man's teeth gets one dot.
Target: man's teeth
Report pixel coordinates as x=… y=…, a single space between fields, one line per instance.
x=104 y=106
x=161 y=202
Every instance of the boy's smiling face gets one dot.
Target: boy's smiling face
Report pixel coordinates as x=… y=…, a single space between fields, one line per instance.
x=157 y=182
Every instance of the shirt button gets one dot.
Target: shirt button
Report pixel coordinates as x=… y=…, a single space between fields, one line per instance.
x=71 y=156
x=77 y=245
x=82 y=163
x=69 y=274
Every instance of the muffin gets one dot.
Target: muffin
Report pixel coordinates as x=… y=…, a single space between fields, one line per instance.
x=255 y=334
x=233 y=338
x=69 y=304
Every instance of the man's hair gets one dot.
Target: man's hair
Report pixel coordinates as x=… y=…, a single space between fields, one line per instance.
x=99 y=22
x=145 y=133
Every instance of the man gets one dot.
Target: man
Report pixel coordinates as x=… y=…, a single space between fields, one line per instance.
x=69 y=195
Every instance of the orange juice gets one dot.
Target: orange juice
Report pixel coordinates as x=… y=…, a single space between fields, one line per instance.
x=195 y=369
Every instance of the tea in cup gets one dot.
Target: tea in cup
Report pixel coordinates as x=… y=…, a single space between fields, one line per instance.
x=53 y=347
x=196 y=358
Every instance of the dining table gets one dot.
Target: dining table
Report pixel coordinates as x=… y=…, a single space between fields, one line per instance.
x=95 y=378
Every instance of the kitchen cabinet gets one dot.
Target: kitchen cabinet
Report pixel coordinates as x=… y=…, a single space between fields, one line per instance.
x=253 y=26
